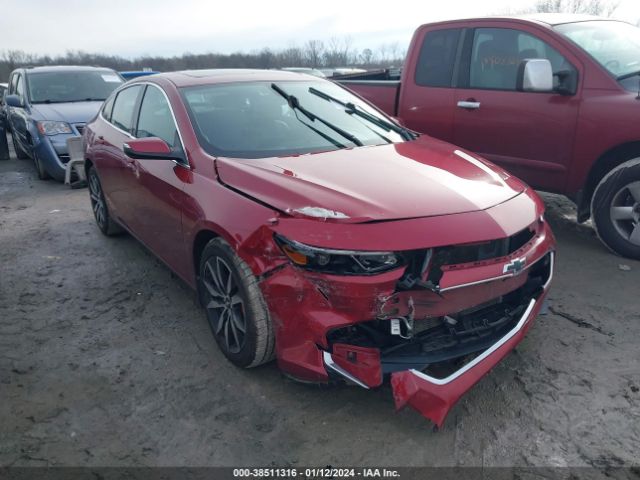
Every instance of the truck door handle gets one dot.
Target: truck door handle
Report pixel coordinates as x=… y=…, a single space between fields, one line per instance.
x=469 y=104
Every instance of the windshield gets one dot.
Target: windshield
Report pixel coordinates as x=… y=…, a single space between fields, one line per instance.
x=80 y=86
x=615 y=45
x=253 y=120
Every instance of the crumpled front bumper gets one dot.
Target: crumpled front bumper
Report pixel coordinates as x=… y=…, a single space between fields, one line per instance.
x=307 y=308
x=430 y=396
x=434 y=397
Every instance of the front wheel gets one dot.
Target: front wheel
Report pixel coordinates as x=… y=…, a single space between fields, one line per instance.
x=40 y=170
x=236 y=311
x=615 y=209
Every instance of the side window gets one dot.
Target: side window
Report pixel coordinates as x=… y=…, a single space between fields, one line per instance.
x=20 y=86
x=437 y=58
x=155 y=119
x=123 y=107
x=12 y=84
x=108 y=107
x=497 y=52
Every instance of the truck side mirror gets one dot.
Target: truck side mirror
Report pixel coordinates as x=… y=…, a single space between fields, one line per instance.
x=14 y=101
x=535 y=75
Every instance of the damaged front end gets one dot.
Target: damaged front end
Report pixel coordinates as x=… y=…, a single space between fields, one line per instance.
x=432 y=320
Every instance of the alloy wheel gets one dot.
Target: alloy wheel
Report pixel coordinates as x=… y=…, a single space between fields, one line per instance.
x=225 y=307
x=625 y=212
x=97 y=200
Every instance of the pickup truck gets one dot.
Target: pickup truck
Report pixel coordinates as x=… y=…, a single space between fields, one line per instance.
x=554 y=99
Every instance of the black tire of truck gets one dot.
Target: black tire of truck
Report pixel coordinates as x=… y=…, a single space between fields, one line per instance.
x=615 y=209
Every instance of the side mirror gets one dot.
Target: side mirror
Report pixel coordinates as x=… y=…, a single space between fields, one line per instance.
x=151 y=148
x=14 y=101
x=535 y=75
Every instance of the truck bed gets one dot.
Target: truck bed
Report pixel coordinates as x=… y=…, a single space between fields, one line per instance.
x=382 y=93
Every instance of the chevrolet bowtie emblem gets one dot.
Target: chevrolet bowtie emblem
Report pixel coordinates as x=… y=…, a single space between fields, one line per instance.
x=514 y=267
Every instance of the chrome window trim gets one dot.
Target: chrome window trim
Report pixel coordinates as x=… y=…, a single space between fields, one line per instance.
x=173 y=117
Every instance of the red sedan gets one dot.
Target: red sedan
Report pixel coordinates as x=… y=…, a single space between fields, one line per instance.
x=319 y=232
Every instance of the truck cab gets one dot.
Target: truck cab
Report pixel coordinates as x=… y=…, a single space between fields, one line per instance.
x=552 y=98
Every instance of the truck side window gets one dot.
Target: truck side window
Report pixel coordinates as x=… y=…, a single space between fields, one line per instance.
x=437 y=58
x=497 y=53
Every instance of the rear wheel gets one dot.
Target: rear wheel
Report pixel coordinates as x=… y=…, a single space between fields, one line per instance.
x=105 y=223
x=615 y=209
x=236 y=311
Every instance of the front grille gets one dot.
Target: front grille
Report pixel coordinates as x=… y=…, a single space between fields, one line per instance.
x=64 y=158
x=459 y=254
x=80 y=128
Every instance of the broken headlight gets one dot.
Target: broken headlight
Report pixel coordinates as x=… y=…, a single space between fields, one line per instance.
x=340 y=262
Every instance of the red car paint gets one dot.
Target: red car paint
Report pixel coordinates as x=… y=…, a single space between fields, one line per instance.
x=559 y=143
x=413 y=196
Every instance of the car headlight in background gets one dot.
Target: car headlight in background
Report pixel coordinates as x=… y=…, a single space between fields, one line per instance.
x=51 y=127
x=339 y=262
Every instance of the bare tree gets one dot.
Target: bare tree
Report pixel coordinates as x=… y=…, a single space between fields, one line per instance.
x=604 y=8
x=313 y=53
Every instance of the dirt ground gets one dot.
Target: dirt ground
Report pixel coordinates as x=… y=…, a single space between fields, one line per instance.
x=106 y=360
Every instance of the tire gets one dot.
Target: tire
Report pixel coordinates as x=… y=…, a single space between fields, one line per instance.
x=19 y=152
x=230 y=294
x=615 y=209
x=40 y=170
x=105 y=223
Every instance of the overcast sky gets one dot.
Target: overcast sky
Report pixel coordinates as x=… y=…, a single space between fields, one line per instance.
x=172 y=27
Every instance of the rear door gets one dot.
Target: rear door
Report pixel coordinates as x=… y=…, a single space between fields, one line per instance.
x=529 y=134
x=114 y=166
x=427 y=92
x=157 y=195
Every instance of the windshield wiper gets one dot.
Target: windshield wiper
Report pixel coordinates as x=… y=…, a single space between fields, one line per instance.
x=353 y=109
x=47 y=101
x=294 y=104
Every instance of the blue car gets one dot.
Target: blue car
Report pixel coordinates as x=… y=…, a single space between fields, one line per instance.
x=46 y=105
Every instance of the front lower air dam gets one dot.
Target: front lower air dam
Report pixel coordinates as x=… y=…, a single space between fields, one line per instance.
x=443 y=355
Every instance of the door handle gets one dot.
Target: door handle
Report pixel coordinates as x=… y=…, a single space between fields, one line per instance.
x=469 y=104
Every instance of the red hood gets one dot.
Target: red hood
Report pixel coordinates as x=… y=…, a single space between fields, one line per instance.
x=422 y=178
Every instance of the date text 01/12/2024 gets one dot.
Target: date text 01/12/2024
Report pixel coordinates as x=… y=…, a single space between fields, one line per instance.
x=325 y=472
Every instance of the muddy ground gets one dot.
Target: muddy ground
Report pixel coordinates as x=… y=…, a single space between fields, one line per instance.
x=106 y=360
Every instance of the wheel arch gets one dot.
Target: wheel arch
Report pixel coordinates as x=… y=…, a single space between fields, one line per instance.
x=609 y=160
x=200 y=241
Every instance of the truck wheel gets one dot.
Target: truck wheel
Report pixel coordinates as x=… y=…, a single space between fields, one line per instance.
x=615 y=209
x=236 y=310
x=19 y=152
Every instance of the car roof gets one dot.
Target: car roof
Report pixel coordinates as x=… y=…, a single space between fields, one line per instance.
x=64 y=68
x=187 y=78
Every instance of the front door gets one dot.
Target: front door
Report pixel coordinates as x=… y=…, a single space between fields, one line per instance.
x=157 y=197
x=529 y=134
